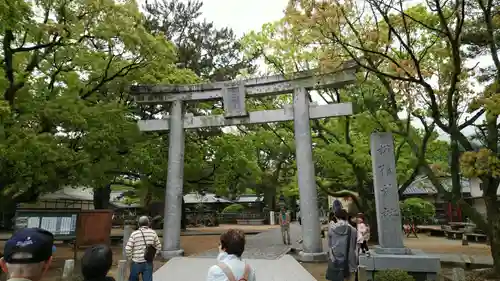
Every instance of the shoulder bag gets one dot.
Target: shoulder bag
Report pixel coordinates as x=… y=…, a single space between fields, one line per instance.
x=150 y=251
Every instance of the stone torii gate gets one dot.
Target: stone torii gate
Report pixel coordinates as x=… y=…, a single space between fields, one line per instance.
x=233 y=94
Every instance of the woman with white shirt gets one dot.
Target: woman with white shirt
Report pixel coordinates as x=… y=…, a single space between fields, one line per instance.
x=230 y=266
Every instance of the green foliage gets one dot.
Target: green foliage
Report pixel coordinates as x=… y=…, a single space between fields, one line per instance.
x=66 y=118
x=341 y=150
x=417 y=210
x=234 y=208
x=214 y=54
x=393 y=275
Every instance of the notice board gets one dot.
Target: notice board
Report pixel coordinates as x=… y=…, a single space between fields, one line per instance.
x=94 y=227
x=62 y=223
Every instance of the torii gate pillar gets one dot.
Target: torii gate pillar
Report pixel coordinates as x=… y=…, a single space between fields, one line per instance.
x=175 y=179
x=312 y=248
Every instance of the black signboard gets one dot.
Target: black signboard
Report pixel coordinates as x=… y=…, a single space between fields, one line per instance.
x=62 y=223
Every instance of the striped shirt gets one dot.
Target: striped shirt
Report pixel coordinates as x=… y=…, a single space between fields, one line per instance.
x=136 y=248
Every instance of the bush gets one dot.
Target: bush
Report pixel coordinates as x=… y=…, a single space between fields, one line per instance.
x=417 y=210
x=393 y=275
x=233 y=208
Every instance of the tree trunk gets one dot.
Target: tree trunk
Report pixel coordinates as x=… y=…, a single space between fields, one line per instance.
x=183 y=215
x=493 y=217
x=101 y=197
x=371 y=217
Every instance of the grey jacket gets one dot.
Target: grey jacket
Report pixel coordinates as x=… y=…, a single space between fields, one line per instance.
x=337 y=243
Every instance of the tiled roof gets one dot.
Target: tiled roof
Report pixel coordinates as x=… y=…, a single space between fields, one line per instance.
x=415 y=190
x=85 y=194
x=422 y=186
x=195 y=198
x=248 y=199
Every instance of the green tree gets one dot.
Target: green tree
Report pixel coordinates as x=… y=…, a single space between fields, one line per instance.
x=417 y=211
x=66 y=118
x=214 y=54
x=341 y=149
x=418 y=55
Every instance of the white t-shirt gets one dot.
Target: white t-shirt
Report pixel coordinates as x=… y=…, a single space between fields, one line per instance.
x=237 y=266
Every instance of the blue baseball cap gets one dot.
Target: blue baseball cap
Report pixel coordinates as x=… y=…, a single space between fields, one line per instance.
x=34 y=243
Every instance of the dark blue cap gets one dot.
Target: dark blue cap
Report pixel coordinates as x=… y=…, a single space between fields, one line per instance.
x=29 y=245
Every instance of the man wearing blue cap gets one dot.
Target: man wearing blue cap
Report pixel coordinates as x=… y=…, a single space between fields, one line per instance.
x=28 y=254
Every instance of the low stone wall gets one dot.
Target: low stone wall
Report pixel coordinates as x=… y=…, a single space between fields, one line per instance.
x=250 y=221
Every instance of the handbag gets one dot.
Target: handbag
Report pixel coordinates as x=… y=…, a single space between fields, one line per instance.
x=339 y=270
x=150 y=252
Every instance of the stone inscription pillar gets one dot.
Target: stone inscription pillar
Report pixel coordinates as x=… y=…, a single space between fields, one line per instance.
x=312 y=246
x=173 y=194
x=390 y=232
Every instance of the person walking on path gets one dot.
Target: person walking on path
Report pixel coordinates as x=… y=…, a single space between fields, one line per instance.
x=230 y=266
x=343 y=260
x=285 y=226
x=363 y=233
x=28 y=254
x=96 y=262
x=141 y=248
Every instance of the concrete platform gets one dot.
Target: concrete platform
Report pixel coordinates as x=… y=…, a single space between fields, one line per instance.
x=423 y=267
x=285 y=268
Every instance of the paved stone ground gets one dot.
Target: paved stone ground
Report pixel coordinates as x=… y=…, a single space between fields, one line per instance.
x=266 y=245
x=269 y=245
x=448 y=251
x=285 y=268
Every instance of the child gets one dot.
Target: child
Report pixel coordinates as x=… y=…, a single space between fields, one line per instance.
x=363 y=233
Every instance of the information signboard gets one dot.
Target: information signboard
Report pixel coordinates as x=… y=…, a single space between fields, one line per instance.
x=234 y=100
x=62 y=223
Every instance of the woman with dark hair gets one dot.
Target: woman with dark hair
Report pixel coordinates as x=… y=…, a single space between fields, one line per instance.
x=230 y=265
x=96 y=263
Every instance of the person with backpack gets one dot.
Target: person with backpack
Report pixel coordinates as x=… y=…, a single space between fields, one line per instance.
x=141 y=248
x=230 y=266
x=343 y=260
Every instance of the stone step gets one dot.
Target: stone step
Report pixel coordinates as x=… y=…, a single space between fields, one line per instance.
x=285 y=268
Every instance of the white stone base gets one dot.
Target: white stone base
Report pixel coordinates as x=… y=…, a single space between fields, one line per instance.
x=284 y=269
x=312 y=257
x=423 y=267
x=172 y=254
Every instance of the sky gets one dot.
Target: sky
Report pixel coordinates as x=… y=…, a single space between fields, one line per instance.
x=241 y=15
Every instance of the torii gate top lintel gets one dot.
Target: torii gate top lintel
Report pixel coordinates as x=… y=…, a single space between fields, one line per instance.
x=261 y=86
x=234 y=94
